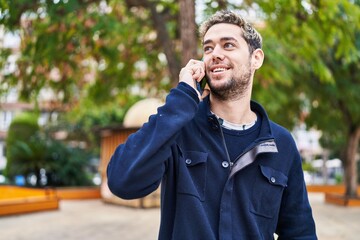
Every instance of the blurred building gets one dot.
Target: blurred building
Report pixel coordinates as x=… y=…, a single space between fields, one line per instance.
x=308 y=142
x=111 y=137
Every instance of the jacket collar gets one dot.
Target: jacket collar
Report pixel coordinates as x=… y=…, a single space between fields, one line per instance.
x=265 y=130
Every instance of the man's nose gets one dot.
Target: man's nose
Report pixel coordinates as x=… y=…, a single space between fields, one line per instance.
x=217 y=53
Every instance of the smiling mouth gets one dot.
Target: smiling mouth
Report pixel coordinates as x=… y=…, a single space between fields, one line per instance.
x=219 y=70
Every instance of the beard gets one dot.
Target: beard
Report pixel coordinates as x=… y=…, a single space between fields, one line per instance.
x=234 y=88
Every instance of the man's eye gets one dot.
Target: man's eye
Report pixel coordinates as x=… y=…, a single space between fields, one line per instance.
x=207 y=49
x=228 y=45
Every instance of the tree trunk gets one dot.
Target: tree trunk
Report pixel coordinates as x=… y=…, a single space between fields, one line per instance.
x=188 y=31
x=350 y=162
x=163 y=37
x=325 y=158
x=165 y=41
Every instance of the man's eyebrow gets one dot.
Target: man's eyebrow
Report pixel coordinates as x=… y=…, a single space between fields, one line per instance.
x=223 y=39
x=207 y=41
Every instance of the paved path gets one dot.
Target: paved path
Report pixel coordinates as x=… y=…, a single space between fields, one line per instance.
x=335 y=222
x=95 y=220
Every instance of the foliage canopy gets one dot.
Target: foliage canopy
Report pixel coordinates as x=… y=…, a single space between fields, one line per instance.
x=98 y=49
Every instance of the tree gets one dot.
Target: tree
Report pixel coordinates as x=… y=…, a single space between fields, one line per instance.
x=184 y=23
x=313 y=51
x=96 y=49
x=90 y=53
x=188 y=28
x=84 y=48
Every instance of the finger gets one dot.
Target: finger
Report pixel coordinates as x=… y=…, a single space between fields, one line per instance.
x=199 y=71
x=192 y=62
x=193 y=72
x=198 y=74
x=201 y=76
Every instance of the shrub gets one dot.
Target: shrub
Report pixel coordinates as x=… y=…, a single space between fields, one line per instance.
x=67 y=166
x=31 y=153
x=22 y=129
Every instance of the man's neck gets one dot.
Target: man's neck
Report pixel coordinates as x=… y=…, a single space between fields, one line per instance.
x=235 y=111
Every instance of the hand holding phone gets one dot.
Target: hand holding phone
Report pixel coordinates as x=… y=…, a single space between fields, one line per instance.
x=193 y=72
x=194 y=75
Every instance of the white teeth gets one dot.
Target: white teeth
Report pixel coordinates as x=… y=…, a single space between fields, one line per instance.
x=219 y=69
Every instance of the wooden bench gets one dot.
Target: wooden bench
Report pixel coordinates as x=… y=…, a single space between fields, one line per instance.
x=16 y=200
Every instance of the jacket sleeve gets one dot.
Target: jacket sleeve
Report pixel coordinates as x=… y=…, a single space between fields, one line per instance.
x=137 y=166
x=295 y=219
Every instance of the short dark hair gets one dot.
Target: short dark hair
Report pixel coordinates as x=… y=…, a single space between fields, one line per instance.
x=251 y=36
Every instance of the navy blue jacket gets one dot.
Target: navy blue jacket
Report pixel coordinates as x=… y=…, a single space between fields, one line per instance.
x=204 y=196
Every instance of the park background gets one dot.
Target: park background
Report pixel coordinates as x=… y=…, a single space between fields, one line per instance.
x=71 y=69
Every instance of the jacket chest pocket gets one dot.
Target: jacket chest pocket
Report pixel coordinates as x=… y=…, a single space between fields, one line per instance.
x=192 y=174
x=267 y=192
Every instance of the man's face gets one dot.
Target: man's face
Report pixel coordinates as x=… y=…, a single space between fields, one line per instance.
x=227 y=61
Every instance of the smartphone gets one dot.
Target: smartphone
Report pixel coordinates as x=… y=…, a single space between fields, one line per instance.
x=200 y=86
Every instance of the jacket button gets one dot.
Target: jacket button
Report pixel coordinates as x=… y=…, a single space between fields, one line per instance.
x=188 y=161
x=225 y=164
x=272 y=179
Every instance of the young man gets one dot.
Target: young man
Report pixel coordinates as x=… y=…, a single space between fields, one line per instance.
x=226 y=170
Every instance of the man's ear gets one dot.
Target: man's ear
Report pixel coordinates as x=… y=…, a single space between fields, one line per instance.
x=257 y=58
